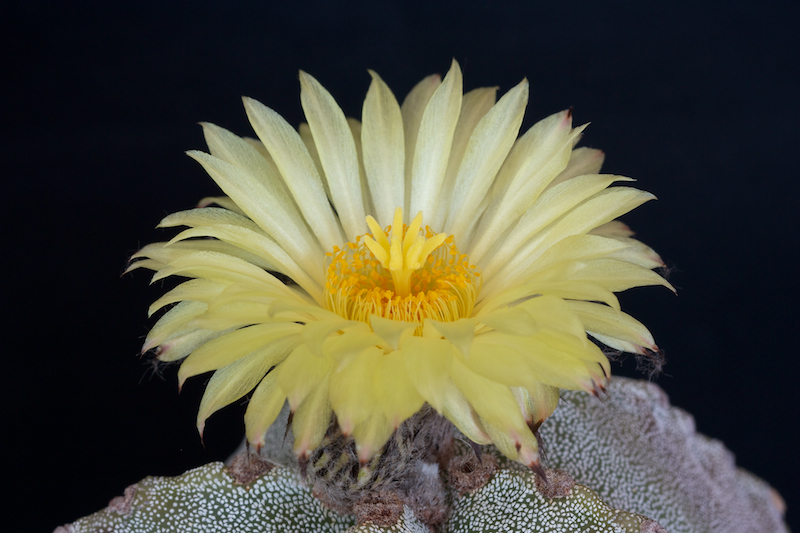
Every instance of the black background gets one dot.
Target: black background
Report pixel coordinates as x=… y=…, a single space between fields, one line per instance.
x=697 y=100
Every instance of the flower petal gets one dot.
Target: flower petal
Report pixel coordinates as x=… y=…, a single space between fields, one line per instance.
x=496 y=406
x=552 y=204
x=427 y=363
x=392 y=331
x=582 y=161
x=271 y=256
x=432 y=149
x=460 y=333
x=234 y=150
x=198 y=290
x=230 y=383
x=273 y=341
x=384 y=150
x=618 y=275
x=474 y=106
x=295 y=165
x=351 y=391
x=173 y=323
x=311 y=420
x=222 y=201
x=487 y=149
x=301 y=373
x=315 y=333
x=535 y=160
x=537 y=402
x=371 y=434
x=608 y=322
x=395 y=391
x=264 y=209
x=337 y=153
x=264 y=407
x=601 y=208
x=412 y=109
x=460 y=412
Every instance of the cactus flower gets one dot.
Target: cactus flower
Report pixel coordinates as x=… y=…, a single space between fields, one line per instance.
x=427 y=254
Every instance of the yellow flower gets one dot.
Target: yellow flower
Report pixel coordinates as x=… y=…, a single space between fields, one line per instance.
x=433 y=257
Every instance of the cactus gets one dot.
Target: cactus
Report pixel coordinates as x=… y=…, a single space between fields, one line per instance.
x=630 y=463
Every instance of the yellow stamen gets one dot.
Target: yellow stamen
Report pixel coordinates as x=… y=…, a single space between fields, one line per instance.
x=409 y=275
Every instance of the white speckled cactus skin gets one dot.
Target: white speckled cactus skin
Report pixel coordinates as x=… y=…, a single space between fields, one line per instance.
x=633 y=456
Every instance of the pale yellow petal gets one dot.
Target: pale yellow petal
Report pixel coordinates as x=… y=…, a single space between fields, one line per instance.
x=617 y=344
x=298 y=310
x=563 y=288
x=530 y=316
x=238 y=152
x=608 y=322
x=222 y=268
x=412 y=110
x=337 y=153
x=520 y=446
x=308 y=140
x=370 y=435
x=208 y=216
x=529 y=359
x=495 y=404
x=161 y=254
x=311 y=420
x=537 y=402
x=351 y=391
x=552 y=204
x=185 y=342
x=460 y=412
x=474 y=105
x=298 y=171
x=615 y=228
x=427 y=363
x=273 y=341
x=432 y=149
x=198 y=290
x=301 y=373
x=174 y=322
x=230 y=383
x=264 y=407
x=535 y=160
x=576 y=248
x=485 y=153
x=460 y=333
x=366 y=198
x=500 y=363
x=582 y=161
x=149 y=264
x=602 y=207
x=392 y=386
x=392 y=331
x=618 y=275
x=222 y=201
x=272 y=256
x=317 y=332
x=280 y=223
x=638 y=253
x=384 y=150
x=342 y=348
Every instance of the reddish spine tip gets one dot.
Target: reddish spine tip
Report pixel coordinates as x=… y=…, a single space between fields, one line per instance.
x=538 y=470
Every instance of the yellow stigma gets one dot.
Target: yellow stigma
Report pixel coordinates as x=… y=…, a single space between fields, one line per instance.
x=401 y=273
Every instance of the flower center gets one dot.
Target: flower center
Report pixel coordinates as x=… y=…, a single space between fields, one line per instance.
x=401 y=273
